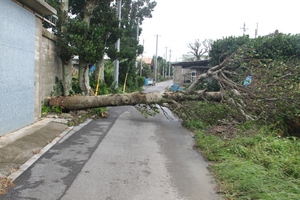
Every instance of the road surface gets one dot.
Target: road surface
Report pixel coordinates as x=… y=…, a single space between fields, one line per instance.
x=122 y=157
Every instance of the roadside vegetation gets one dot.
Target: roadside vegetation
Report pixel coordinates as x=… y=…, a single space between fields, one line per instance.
x=249 y=160
x=251 y=137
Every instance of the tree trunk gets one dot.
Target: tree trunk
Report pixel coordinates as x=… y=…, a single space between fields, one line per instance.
x=83 y=74
x=67 y=77
x=83 y=77
x=86 y=102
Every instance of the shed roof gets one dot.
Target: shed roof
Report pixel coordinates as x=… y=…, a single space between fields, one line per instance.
x=39 y=6
x=193 y=64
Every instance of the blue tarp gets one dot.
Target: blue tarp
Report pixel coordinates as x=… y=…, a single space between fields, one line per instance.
x=92 y=69
x=176 y=87
x=248 y=80
x=147 y=81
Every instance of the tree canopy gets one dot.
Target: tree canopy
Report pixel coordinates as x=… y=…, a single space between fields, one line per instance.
x=90 y=29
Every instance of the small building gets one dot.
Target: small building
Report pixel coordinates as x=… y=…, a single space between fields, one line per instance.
x=187 y=72
x=146 y=60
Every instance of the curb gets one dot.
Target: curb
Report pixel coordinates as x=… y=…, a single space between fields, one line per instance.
x=60 y=138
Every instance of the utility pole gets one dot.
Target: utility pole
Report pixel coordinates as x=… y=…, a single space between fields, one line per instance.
x=170 y=63
x=256 y=30
x=137 y=38
x=244 y=28
x=141 y=69
x=166 y=61
x=116 y=70
x=155 y=64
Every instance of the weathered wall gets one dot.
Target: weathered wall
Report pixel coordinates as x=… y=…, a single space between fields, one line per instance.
x=50 y=65
x=16 y=66
x=37 y=69
x=177 y=75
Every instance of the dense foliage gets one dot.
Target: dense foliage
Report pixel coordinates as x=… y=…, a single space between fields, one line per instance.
x=252 y=135
x=91 y=30
x=275 y=46
x=222 y=48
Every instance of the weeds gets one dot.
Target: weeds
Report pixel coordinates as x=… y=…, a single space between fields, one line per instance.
x=255 y=162
x=262 y=166
x=47 y=109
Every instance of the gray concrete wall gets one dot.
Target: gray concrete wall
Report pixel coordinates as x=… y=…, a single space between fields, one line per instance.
x=177 y=75
x=47 y=66
x=16 y=66
x=50 y=65
x=37 y=69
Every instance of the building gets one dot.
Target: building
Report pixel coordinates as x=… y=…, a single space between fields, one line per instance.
x=187 y=72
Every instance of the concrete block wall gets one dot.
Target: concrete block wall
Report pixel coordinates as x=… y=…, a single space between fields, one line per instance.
x=48 y=66
x=51 y=66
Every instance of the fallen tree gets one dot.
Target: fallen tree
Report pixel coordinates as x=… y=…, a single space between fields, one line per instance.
x=272 y=95
x=273 y=85
x=86 y=102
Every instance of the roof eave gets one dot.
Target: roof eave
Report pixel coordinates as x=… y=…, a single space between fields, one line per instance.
x=39 y=6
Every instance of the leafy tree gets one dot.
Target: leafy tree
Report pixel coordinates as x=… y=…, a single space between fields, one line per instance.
x=147 y=72
x=130 y=49
x=94 y=30
x=222 y=48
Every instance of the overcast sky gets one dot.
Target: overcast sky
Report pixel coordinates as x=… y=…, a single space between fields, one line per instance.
x=179 y=22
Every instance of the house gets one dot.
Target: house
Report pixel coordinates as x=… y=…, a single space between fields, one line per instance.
x=28 y=63
x=146 y=60
x=187 y=72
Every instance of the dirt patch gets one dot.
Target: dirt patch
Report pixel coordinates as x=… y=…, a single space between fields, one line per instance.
x=225 y=131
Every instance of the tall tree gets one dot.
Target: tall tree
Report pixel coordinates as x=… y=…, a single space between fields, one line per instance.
x=93 y=29
x=133 y=12
x=90 y=34
x=198 y=49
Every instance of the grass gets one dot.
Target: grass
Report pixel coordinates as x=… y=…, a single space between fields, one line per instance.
x=76 y=117
x=260 y=166
x=254 y=162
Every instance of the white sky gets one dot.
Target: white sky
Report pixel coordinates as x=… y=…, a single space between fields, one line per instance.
x=181 y=22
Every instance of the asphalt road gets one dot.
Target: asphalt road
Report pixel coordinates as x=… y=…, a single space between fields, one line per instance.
x=122 y=157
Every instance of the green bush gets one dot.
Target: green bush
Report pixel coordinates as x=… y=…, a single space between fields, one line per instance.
x=75 y=86
x=224 y=47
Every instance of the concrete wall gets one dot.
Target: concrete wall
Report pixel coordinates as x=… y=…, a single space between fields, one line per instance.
x=51 y=65
x=16 y=66
x=177 y=75
x=28 y=66
x=47 y=66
